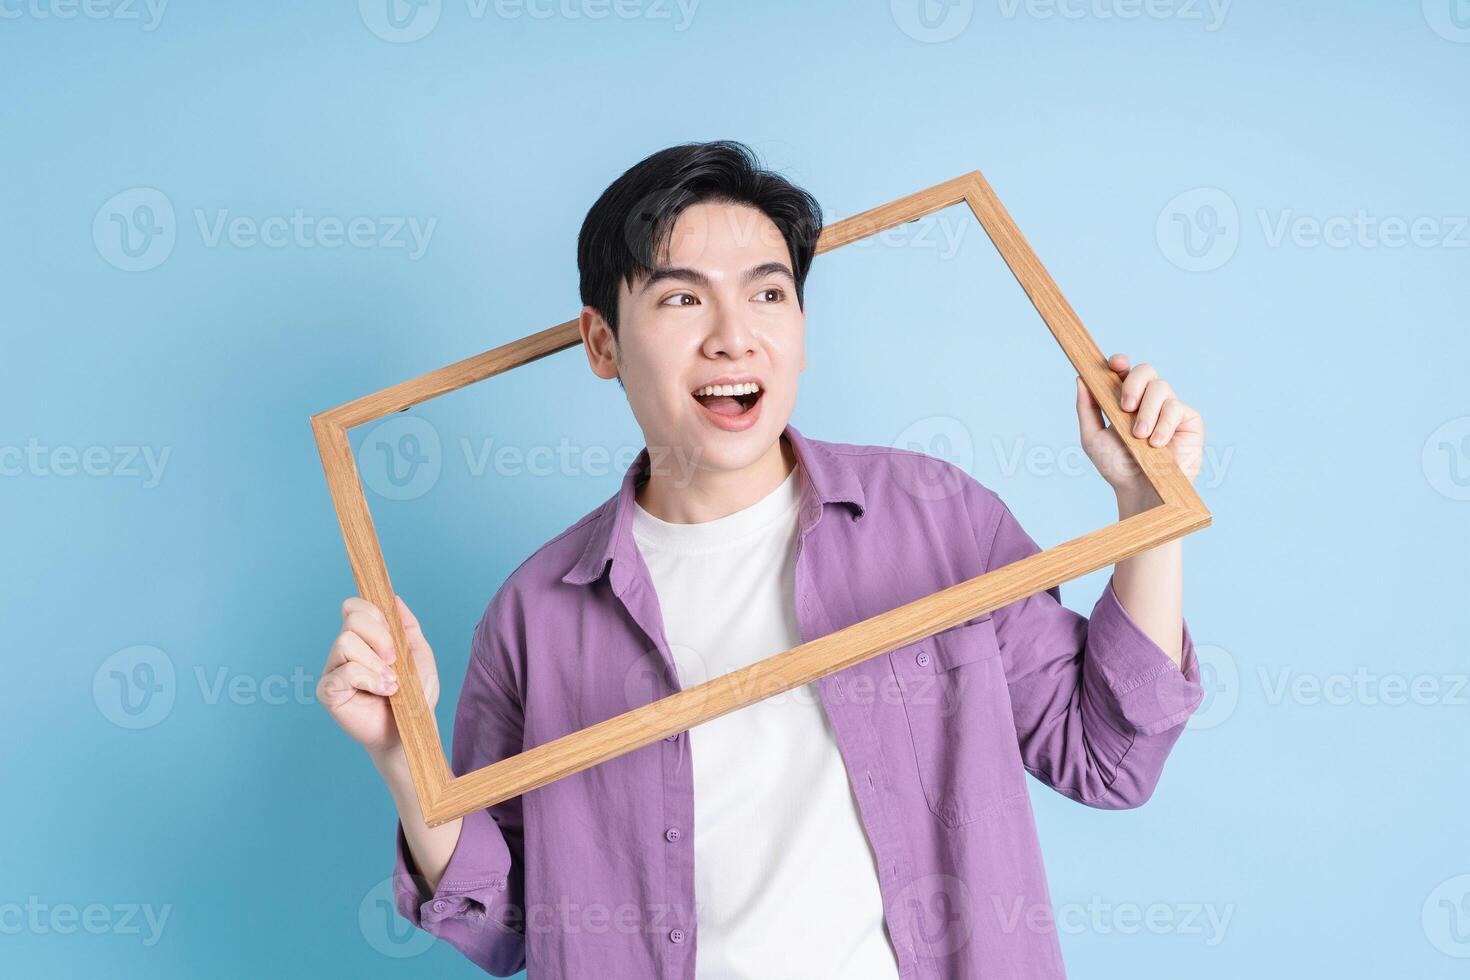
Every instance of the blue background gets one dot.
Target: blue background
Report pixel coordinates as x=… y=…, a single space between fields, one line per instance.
x=1168 y=167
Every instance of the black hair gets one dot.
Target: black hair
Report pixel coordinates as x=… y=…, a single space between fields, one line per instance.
x=629 y=226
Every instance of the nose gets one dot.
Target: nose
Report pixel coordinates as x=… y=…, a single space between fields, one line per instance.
x=729 y=335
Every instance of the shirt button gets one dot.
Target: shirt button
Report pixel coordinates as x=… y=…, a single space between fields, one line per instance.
x=922 y=660
x=440 y=905
x=676 y=936
x=671 y=738
x=672 y=835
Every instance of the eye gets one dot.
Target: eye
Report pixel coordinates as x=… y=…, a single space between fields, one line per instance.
x=780 y=294
x=679 y=296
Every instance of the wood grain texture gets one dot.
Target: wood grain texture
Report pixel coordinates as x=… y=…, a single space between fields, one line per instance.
x=455 y=376
x=805 y=663
x=444 y=797
x=410 y=708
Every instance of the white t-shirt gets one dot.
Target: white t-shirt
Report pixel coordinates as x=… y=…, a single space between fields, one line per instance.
x=784 y=879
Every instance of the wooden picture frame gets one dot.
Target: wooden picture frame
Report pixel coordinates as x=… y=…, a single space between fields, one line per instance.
x=444 y=796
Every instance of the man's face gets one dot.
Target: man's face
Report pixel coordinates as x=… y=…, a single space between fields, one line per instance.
x=720 y=308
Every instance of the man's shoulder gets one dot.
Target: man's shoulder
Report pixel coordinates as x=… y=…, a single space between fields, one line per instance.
x=545 y=566
x=533 y=606
x=904 y=476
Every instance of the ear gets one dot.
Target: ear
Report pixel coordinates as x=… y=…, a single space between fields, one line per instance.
x=600 y=344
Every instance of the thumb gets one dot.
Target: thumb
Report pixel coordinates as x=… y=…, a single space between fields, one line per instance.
x=1089 y=413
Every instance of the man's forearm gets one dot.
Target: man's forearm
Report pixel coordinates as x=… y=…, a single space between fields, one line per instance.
x=1150 y=586
x=431 y=847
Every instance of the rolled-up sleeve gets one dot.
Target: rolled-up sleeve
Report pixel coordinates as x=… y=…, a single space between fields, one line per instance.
x=477 y=906
x=1098 y=705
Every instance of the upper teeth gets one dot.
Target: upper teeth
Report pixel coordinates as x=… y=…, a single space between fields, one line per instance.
x=748 y=388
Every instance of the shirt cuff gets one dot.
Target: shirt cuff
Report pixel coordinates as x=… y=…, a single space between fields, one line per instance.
x=476 y=876
x=1152 y=692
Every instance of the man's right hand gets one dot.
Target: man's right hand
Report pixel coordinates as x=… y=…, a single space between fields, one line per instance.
x=360 y=675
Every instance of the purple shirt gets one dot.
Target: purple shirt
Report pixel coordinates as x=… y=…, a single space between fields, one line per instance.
x=593 y=876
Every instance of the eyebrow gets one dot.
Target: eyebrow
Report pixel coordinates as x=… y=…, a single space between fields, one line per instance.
x=700 y=279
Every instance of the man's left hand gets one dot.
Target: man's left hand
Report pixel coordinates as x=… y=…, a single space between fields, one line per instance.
x=1159 y=416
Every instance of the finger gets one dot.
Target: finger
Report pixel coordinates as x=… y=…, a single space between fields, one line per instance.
x=418 y=644
x=340 y=685
x=1133 y=386
x=410 y=621
x=375 y=632
x=359 y=678
x=1192 y=421
x=351 y=648
x=1170 y=415
x=360 y=605
x=1089 y=414
x=1119 y=364
x=1155 y=394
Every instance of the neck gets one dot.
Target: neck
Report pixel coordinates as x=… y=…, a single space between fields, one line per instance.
x=711 y=494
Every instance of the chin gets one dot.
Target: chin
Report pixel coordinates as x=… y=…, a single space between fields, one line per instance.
x=737 y=450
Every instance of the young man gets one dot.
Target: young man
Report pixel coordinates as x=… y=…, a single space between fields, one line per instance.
x=874 y=824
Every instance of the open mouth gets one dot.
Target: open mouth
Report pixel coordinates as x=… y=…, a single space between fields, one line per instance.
x=729 y=401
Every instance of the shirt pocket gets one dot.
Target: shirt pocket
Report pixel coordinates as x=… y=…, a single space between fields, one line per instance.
x=959 y=718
